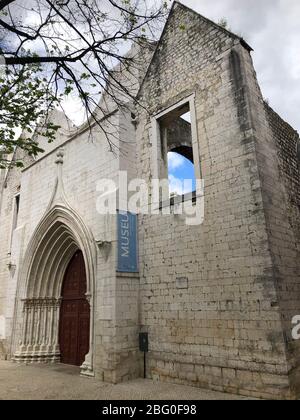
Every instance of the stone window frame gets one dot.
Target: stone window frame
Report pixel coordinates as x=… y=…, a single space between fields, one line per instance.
x=155 y=139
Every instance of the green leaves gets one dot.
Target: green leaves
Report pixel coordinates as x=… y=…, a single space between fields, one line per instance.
x=25 y=98
x=85 y=76
x=224 y=24
x=68 y=90
x=75 y=48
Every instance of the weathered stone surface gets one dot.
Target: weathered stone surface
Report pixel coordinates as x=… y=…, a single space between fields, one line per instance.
x=217 y=299
x=230 y=317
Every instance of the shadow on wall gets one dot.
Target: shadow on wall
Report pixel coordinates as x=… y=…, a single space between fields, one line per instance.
x=2 y=327
x=2 y=338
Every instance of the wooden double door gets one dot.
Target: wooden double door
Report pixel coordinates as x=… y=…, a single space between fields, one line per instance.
x=74 y=328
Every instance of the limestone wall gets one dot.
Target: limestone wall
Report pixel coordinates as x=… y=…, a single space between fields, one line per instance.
x=282 y=203
x=223 y=329
x=85 y=164
x=88 y=160
x=217 y=298
x=8 y=252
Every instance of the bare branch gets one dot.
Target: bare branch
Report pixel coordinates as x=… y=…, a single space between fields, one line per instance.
x=15 y=30
x=74 y=47
x=5 y=3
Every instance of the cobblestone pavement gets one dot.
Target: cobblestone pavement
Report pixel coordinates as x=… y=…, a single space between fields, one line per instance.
x=56 y=382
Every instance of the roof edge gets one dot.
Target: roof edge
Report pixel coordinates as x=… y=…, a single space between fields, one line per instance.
x=269 y=107
x=178 y=3
x=216 y=25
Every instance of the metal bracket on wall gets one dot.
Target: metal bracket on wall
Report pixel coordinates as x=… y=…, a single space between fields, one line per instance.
x=105 y=247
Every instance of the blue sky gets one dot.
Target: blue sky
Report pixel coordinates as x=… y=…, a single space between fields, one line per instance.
x=180 y=169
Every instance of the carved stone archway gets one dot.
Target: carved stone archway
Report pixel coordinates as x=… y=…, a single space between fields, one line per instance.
x=59 y=235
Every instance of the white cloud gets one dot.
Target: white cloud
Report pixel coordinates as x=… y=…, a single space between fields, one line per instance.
x=175 y=161
x=186 y=117
x=74 y=109
x=272 y=29
x=180 y=186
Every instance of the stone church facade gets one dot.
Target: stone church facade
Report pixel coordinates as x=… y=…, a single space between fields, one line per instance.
x=217 y=299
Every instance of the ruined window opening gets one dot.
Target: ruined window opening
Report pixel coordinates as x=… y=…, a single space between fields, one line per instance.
x=176 y=151
x=16 y=208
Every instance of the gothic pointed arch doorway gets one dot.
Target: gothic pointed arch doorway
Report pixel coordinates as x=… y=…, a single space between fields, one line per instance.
x=74 y=324
x=49 y=258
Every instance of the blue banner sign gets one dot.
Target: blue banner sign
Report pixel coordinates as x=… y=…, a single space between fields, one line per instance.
x=127 y=243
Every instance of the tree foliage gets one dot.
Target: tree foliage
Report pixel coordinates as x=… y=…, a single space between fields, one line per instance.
x=223 y=22
x=56 y=48
x=25 y=102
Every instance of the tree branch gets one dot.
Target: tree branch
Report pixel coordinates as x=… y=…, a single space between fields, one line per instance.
x=61 y=45
x=4 y=3
x=15 y=30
